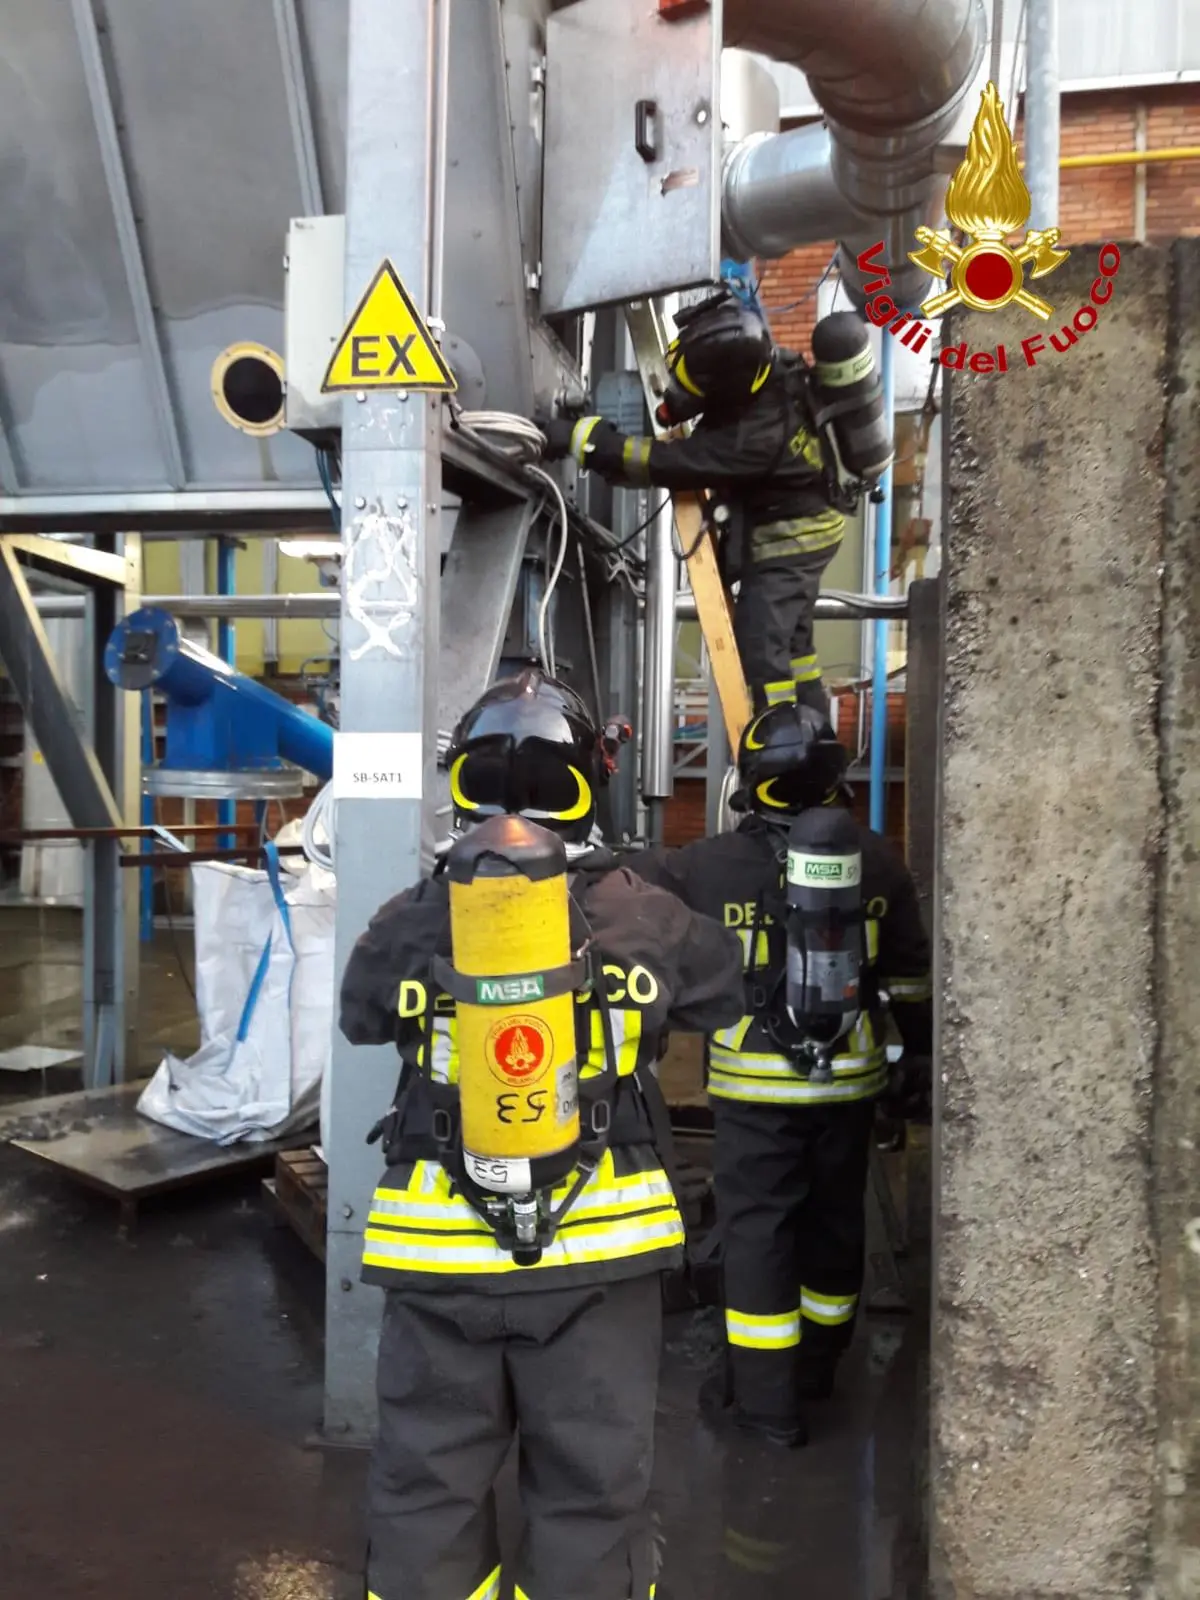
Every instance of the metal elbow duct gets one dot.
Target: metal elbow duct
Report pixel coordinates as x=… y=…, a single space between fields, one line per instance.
x=890 y=76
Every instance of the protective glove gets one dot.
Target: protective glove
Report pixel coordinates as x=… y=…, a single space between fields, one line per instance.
x=909 y=1094
x=558 y=431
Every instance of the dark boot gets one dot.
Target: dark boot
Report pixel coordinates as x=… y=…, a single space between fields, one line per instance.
x=720 y=1409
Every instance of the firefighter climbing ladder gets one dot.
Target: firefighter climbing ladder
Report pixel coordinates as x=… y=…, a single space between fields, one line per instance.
x=645 y=323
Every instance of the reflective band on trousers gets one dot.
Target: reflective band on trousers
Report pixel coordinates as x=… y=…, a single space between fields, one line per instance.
x=489 y=1589
x=909 y=989
x=519 y=1593
x=830 y=1310
x=780 y=691
x=805 y=669
x=780 y=1331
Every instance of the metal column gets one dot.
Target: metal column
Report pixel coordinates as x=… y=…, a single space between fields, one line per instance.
x=391 y=472
x=1041 y=112
x=227 y=650
x=881 y=585
x=658 y=680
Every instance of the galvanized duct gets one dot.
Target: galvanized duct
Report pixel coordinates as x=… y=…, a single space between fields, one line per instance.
x=890 y=76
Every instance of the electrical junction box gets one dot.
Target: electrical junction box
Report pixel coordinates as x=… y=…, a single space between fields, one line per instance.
x=619 y=400
x=314 y=315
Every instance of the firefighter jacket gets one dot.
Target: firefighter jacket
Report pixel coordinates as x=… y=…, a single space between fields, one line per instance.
x=738 y=877
x=663 y=966
x=765 y=461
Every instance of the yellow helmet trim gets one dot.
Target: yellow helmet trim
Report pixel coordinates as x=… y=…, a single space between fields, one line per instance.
x=768 y=800
x=764 y=372
x=751 y=742
x=681 y=374
x=456 y=794
x=579 y=808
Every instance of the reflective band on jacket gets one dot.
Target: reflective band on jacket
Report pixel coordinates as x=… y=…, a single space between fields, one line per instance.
x=635 y=458
x=789 y=1088
x=519 y=1593
x=831 y=1310
x=837 y=374
x=442 y=1065
x=796 y=536
x=581 y=433
x=909 y=989
x=425 y=1228
x=780 y=1331
x=754 y=1555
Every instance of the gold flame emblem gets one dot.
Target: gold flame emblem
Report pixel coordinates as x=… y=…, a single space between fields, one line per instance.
x=987 y=199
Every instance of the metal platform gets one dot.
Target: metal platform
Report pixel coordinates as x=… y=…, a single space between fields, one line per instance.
x=98 y=1138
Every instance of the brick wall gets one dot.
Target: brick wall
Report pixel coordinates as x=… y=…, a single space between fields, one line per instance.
x=1095 y=202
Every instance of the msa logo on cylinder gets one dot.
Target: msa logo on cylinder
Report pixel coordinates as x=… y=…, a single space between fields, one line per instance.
x=509 y=991
x=839 y=872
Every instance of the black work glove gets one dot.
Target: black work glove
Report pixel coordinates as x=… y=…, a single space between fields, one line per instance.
x=909 y=1094
x=558 y=431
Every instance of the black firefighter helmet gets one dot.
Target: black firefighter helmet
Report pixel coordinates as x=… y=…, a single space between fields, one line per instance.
x=720 y=360
x=527 y=745
x=789 y=759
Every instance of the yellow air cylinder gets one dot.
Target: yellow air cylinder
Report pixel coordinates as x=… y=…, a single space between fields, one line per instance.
x=511 y=940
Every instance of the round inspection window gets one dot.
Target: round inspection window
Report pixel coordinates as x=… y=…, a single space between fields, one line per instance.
x=247 y=388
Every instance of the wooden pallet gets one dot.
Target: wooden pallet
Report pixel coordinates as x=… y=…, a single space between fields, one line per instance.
x=300 y=1189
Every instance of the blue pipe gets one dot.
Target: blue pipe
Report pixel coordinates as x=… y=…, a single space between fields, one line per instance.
x=227 y=650
x=217 y=720
x=146 y=875
x=882 y=584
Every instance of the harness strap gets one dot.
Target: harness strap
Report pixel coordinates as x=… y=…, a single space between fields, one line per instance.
x=553 y=981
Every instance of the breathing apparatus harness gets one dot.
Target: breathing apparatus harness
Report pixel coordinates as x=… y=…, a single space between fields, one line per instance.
x=815 y=988
x=521 y=1212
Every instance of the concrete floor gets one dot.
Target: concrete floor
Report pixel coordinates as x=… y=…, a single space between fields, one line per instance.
x=163 y=1390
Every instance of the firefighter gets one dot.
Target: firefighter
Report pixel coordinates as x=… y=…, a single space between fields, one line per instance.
x=791 y=1150
x=785 y=449
x=489 y=1331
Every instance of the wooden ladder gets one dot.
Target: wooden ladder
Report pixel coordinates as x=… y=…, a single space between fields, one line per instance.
x=648 y=334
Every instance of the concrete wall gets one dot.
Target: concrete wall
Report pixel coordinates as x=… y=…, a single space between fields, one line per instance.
x=1066 y=1422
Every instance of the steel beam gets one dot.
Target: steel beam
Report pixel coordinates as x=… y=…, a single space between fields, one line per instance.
x=479 y=587
x=47 y=707
x=299 y=102
x=319 y=604
x=922 y=740
x=78 y=562
x=1042 y=101
x=238 y=510
x=110 y=914
x=104 y=118
x=391 y=470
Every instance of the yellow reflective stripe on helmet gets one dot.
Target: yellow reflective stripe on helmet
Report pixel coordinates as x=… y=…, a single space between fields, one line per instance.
x=782 y=690
x=909 y=989
x=763 y=792
x=683 y=378
x=750 y=737
x=582 y=805
x=581 y=433
x=779 y=1331
x=764 y=372
x=456 y=794
x=830 y=1310
x=837 y=374
x=805 y=669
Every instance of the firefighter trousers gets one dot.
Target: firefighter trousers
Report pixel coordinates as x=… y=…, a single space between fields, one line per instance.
x=790 y=1184
x=574 y=1374
x=773 y=625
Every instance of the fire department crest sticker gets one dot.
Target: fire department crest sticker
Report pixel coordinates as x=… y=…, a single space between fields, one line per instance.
x=518 y=1049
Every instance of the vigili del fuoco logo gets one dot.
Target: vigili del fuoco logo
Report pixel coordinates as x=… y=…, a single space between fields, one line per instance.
x=987 y=200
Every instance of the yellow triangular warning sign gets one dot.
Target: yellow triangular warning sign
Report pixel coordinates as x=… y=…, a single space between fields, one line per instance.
x=386 y=344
